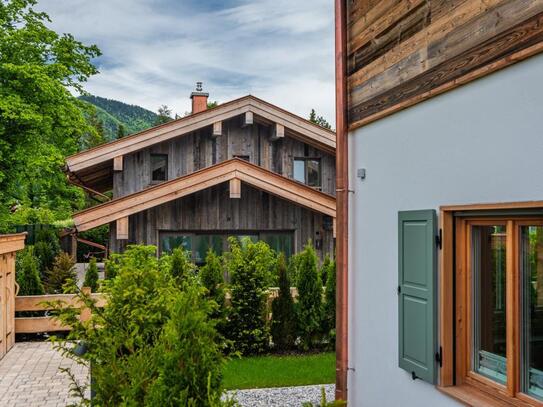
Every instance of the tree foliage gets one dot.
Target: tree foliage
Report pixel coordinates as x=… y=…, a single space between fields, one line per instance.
x=153 y=343
x=249 y=267
x=329 y=306
x=40 y=121
x=62 y=273
x=27 y=272
x=91 y=276
x=164 y=115
x=319 y=120
x=309 y=298
x=283 y=326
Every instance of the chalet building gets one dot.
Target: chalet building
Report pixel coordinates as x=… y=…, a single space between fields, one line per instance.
x=243 y=168
x=440 y=202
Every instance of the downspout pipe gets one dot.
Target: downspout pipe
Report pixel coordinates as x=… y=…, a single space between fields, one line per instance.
x=342 y=183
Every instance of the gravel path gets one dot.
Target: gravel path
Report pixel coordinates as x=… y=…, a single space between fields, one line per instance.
x=283 y=396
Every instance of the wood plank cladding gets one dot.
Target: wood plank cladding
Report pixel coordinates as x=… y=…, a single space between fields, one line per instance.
x=400 y=52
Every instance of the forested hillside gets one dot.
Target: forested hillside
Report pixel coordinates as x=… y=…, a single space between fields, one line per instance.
x=113 y=114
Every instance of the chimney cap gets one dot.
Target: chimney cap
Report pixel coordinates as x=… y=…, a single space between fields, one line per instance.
x=199 y=90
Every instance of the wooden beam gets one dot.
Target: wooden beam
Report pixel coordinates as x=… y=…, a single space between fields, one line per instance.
x=300 y=129
x=278 y=132
x=217 y=129
x=118 y=163
x=235 y=188
x=12 y=243
x=197 y=181
x=122 y=228
x=248 y=119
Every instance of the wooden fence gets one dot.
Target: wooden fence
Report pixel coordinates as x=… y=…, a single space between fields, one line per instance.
x=50 y=324
x=9 y=245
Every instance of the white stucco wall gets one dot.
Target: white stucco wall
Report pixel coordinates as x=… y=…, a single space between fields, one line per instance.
x=480 y=143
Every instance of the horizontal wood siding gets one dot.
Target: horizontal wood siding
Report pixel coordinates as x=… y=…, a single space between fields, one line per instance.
x=399 y=51
x=213 y=210
x=201 y=149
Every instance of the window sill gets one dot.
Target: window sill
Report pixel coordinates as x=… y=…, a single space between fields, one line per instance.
x=474 y=396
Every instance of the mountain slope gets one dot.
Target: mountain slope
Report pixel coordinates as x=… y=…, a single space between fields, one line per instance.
x=114 y=113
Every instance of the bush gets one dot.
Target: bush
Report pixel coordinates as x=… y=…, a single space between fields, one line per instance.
x=91 y=276
x=309 y=304
x=283 y=326
x=292 y=269
x=249 y=267
x=153 y=343
x=27 y=273
x=329 y=312
x=47 y=248
x=212 y=277
x=111 y=266
x=181 y=264
x=63 y=272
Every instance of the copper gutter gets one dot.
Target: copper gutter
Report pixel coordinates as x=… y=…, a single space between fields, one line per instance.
x=342 y=182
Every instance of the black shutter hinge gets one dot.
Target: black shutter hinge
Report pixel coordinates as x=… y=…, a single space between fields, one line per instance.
x=439 y=357
x=439 y=239
x=399 y=289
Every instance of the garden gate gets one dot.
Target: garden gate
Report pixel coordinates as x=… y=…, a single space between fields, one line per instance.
x=9 y=245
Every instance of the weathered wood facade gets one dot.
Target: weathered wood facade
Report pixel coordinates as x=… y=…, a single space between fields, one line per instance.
x=400 y=52
x=200 y=149
x=256 y=192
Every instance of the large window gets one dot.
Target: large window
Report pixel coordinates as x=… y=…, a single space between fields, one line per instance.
x=199 y=243
x=308 y=171
x=159 y=167
x=499 y=306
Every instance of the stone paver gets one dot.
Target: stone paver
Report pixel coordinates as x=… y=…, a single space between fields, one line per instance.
x=30 y=376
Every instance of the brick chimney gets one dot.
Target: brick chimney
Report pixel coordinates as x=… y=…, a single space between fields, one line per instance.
x=199 y=99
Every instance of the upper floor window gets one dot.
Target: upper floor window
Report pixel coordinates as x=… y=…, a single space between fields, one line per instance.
x=308 y=171
x=159 y=167
x=243 y=157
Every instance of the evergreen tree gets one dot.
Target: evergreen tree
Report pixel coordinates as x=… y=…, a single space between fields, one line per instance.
x=247 y=328
x=96 y=135
x=212 y=277
x=63 y=271
x=46 y=248
x=182 y=266
x=164 y=115
x=121 y=131
x=91 y=276
x=283 y=326
x=309 y=298
x=319 y=120
x=27 y=274
x=329 y=323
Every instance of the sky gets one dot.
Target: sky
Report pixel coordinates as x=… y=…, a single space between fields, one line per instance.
x=154 y=51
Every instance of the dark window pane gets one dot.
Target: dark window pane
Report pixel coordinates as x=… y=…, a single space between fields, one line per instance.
x=243 y=157
x=313 y=173
x=170 y=241
x=280 y=242
x=532 y=299
x=489 y=322
x=299 y=170
x=159 y=167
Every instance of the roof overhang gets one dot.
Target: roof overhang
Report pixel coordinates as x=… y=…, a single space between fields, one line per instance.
x=100 y=159
x=234 y=169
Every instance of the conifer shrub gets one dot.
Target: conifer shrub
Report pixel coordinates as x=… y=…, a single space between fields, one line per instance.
x=309 y=306
x=250 y=266
x=212 y=278
x=157 y=334
x=91 y=276
x=283 y=326
x=27 y=272
x=62 y=272
x=329 y=312
x=46 y=248
x=181 y=265
x=292 y=269
x=111 y=266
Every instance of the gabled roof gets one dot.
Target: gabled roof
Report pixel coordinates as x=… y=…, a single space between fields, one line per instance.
x=295 y=126
x=234 y=169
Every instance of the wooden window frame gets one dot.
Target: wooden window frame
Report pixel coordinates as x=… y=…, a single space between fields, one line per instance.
x=455 y=376
x=154 y=182
x=305 y=160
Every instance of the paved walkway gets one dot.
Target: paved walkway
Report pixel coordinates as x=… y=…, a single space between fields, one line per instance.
x=30 y=376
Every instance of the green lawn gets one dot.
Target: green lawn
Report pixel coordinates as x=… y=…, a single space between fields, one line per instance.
x=279 y=371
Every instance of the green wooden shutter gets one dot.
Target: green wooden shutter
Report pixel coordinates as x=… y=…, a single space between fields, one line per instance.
x=417 y=293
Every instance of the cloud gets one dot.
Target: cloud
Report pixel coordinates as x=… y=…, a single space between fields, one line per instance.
x=155 y=50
